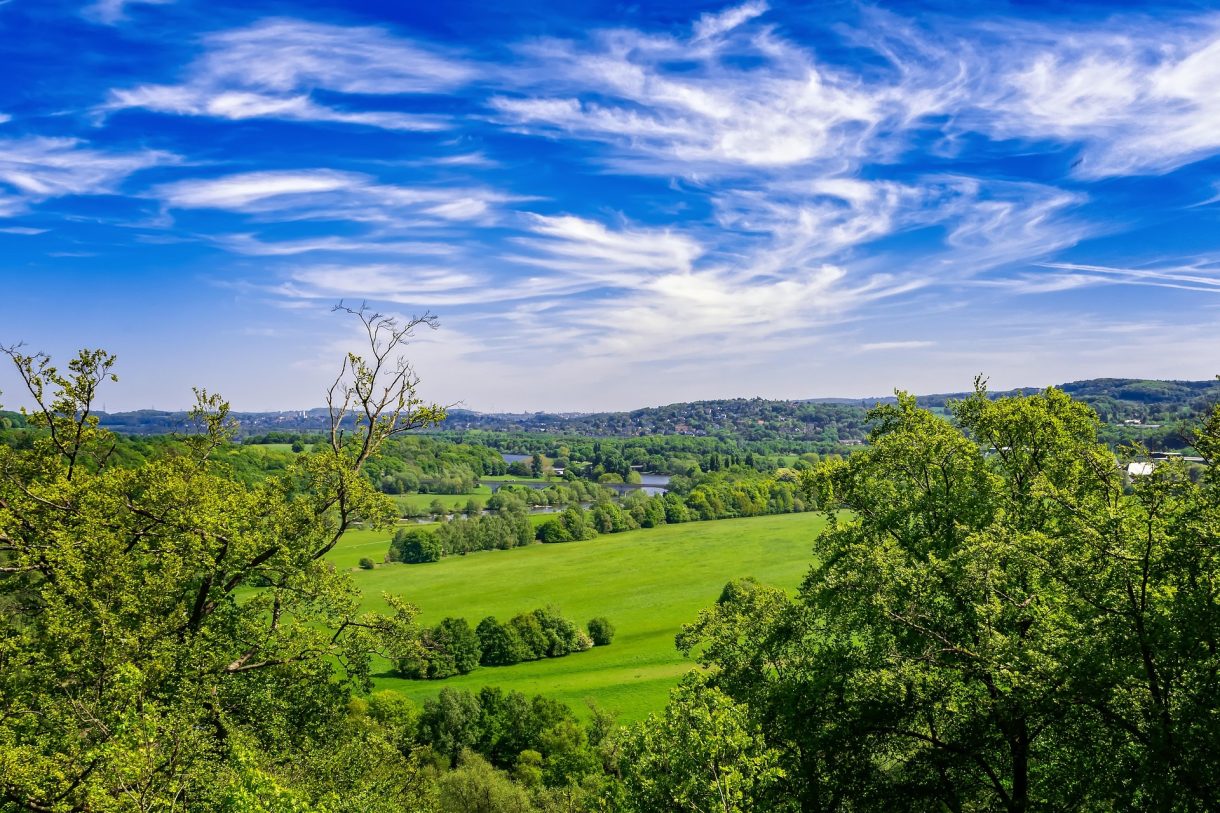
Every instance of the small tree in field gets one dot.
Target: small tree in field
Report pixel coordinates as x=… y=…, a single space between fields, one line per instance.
x=601 y=631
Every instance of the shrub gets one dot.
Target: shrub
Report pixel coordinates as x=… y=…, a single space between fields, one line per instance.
x=450 y=648
x=601 y=631
x=501 y=645
x=367 y=564
x=553 y=531
x=415 y=546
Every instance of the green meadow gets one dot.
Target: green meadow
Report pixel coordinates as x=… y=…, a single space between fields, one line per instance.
x=648 y=583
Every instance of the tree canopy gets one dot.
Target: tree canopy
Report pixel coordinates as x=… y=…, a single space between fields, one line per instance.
x=168 y=633
x=996 y=619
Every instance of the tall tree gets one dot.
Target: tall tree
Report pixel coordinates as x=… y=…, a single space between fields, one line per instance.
x=166 y=629
x=996 y=621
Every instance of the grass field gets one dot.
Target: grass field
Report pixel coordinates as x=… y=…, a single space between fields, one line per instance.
x=647 y=582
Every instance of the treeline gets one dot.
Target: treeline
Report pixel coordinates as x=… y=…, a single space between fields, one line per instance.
x=825 y=425
x=662 y=454
x=721 y=495
x=822 y=425
x=11 y=420
x=497 y=531
x=716 y=496
x=428 y=465
x=453 y=648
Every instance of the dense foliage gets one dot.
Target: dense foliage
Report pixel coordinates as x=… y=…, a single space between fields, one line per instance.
x=1001 y=621
x=453 y=648
x=170 y=635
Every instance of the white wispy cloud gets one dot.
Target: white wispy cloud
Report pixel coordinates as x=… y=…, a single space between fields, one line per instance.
x=913 y=344
x=1137 y=94
x=243 y=104
x=587 y=247
x=751 y=99
x=110 y=12
x=327 y=194
x=270 y=69
x=253 y=246
x=36 y=169
x=713 y=24
x=1140 y=95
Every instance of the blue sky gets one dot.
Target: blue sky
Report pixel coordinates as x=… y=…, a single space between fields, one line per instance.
x=612 y=205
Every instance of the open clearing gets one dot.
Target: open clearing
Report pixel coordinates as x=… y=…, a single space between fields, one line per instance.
x=648 y=583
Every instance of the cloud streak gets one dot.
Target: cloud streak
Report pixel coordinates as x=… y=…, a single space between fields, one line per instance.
x=271 y=69
x=35 y=169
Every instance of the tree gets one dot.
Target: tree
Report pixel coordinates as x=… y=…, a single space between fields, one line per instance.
x=533 y=640
x=415 y=546
x=450 y=722
x=169 y=632
x=476 y=787
x=500 y=645
x=553 y=531
x=460 y=641
x=995 y=623
x=704 y=754
x=601 y=631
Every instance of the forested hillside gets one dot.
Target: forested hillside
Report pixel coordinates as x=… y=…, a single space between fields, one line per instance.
x=821 y=424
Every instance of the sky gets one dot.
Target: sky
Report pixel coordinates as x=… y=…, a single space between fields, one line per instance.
x=611 y=205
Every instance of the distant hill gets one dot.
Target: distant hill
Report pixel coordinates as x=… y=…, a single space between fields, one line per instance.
x=1143 y=409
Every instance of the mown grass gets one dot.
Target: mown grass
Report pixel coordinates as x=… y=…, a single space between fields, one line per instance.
x=648 y=583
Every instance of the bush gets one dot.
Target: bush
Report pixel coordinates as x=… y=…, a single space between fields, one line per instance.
x=367 y=564
x=450 y=648
x=601 y=631
x=415 y=546
x=501 y=645
x=552 y=532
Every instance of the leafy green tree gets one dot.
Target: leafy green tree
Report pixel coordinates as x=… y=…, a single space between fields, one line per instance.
x=415 y=546
x=533 y=639
x=995 y=623
x=501 y=645
x=553 y=531
x=456 y=637
x=450 y=648
x=576 y=521
x=449 y=722
x=704 y=753
x=170 y=633
x=476 y=787
x=601 y=631
x=562 y=636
